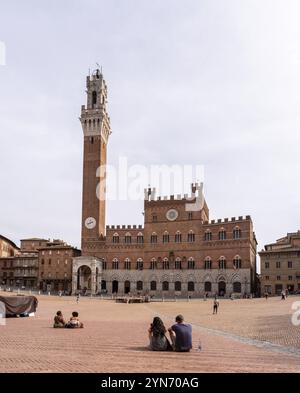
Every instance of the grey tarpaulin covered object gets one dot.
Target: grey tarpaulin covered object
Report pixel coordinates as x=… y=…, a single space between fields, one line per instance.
x=16 y=305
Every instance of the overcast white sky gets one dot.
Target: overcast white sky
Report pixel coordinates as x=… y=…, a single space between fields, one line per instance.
x=215 y=83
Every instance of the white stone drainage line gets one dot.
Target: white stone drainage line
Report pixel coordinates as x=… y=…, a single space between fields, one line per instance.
x=257 y=343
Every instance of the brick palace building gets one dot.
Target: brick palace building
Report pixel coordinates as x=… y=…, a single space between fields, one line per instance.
x=175 y=252
x=280 y=265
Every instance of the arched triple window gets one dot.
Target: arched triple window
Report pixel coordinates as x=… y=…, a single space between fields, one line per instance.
x=115 y=264
x=178 y=263
x=207 y=263
x=127 y=264
x=237 y=262
x=153 y=264
x=153 y=238
x=178 y=237
x=237 y=287
x=128 y=238
x=237 y=233
x=116 y=238
x=166 y=264
x=139 y=264
x=222 y=234
x=208 y=236
x=177 y=286
x=222 y=263
x=166 y=237
x=191 y=263
x=140 y=238
x=191 y=237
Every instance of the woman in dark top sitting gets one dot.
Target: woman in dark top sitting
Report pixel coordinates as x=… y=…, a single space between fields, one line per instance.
x=157 y=336
x=59 y=321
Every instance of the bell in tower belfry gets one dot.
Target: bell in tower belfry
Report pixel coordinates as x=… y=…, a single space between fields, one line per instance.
x=96 y=130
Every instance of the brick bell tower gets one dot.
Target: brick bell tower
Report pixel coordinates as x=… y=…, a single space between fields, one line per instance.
x=96 y=130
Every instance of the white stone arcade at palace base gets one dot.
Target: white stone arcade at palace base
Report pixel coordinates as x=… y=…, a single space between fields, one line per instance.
x=165 y=283
x=86 y=275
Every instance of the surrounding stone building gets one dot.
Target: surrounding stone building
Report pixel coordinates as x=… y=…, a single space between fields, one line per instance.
x=177 y=252
x=7 y=247
x=280 y=265
x=39 y=263
x=55 y=266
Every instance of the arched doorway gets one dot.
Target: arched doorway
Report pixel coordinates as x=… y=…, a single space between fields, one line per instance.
x=222 y=288
x=127 y=287
x=207 y=286
x=237 y=287
x=84 y=278
x=115 y=286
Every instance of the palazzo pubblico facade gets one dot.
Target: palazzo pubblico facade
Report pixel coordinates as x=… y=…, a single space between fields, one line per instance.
x=177 y=252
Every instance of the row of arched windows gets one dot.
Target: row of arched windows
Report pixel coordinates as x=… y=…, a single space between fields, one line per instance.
x=128 y=239
x=165 y=265
x=222 y=235
x=90 y=122
x=178 y=238
x=237 y=287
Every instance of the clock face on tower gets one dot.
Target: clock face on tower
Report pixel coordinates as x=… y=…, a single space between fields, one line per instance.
x=172 y=214
x=90 y=223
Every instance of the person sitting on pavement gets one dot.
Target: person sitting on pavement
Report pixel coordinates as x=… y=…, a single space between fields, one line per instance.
x=157 y=336
x=181 y=335
x=74 y=321
x=59 y=321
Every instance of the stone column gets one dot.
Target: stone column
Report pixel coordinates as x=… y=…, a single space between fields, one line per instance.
x=215 y=288
x=109 y=287
x=93 y=278
x=229 y=289
x=74 y=281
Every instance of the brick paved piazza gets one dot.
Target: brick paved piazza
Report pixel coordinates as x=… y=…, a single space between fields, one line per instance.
x=115 y=338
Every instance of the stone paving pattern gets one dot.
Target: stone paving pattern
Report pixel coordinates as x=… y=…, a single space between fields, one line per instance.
x=115 y=338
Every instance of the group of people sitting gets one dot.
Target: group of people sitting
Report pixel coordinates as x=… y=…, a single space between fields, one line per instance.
x=180 y=336
x=74 y=322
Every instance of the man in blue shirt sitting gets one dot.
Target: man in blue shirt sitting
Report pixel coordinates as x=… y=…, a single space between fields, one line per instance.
x=181 y=335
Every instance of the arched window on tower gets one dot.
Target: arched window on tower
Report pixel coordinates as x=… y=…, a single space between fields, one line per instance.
x=94 y=99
